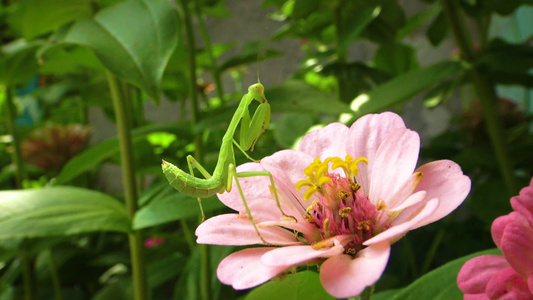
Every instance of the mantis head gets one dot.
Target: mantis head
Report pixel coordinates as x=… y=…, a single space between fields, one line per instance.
x=258 y=92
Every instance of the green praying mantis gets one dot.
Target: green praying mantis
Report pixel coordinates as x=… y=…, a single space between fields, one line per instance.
x=221 y=180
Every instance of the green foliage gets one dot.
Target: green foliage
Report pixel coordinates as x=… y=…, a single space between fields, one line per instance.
x=302 y=285
x=59 y=211
x=133 y=39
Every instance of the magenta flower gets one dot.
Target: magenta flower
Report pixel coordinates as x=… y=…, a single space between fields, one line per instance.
x=347 y=195
x=510 y=276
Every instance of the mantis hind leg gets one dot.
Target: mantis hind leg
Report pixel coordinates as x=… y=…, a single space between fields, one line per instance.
x=233 y=173
x=273 y=190
x=192 y=161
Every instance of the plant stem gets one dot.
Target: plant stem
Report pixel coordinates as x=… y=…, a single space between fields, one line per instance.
x=193 y=99
x=56 y=284
x=486 y=94
x=120 y=105
x=27 y=272
x=432 y=251
x=209 y=50
x=205 y=288
x=20 y=172
x=342 y=54
x=367 y=293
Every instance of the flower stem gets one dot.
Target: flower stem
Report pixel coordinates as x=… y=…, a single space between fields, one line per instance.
x=486 y=94
x=27 y=271
x=56 y=284
x=367 y=293
x=20 y=170
x=209 y=49
x=205 y=272
x=120 y=105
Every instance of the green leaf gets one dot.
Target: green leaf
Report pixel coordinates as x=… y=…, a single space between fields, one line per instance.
x=42 y=16
x=298 y=96
x=395 y=58
x=106 y=149
x=403 y=87
x=290 y=127
x=440 y=283
x=133 y=39
x=172 y=208
x=302 y=285
x=417 y=20
x=357 y=24
x=59 y=211
x=438 y=29
x=17 y=62
x=251 y=53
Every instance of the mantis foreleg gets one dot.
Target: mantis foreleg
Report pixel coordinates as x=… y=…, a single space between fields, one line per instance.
x=252 y=128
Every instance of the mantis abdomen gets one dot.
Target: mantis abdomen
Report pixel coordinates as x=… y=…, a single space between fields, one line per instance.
x=190 y=185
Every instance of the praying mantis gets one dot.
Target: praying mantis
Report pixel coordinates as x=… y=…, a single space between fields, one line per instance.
x=221 y=180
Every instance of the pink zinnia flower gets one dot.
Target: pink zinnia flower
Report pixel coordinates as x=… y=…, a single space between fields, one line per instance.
x=509 y=276
x=347 y=195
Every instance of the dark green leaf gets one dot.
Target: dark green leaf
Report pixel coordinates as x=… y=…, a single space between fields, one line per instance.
x=441 y=92
x=357 y=24
x=17 y=62
x=404 y=87
x=438 y=29
x=302 y=285
x=252 y=53
x=42 y=16
x=59 y=211
x=133 y=39
x=298 y=96
x=440 y=283
x=104 y=150
x=395 y=58
x=170 y=208
x=290 y=127
x=417 y=20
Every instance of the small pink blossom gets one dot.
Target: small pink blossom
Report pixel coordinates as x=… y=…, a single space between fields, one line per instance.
x=346 y=194
x=510 y=276
x=153 y=241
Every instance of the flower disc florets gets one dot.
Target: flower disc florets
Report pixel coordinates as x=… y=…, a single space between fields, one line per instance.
x=341 y=209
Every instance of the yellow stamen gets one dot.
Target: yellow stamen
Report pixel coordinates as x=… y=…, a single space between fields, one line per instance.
x=344 y=212
x=364 y=226
x=381 y=205
x=310 y=191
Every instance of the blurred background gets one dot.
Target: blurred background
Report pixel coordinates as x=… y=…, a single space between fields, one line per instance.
x=85 y=82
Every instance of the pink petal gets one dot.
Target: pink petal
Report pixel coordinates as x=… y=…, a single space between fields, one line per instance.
x=410 y=201
x=231 y=229
x=254 y=188
x=404 y=192
x=498 y=227
x=344 y=276
x=530 y=283
x=325 y=142
x=287 y=167
x=244 y=270
x=476 y=273
x=442 y=179
x=517 y=247
x=365 y=137
x=399 y=229
x=523 y=203
x=295 y=255
x=508 y=285
x=476 y=297
x=394 y=163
